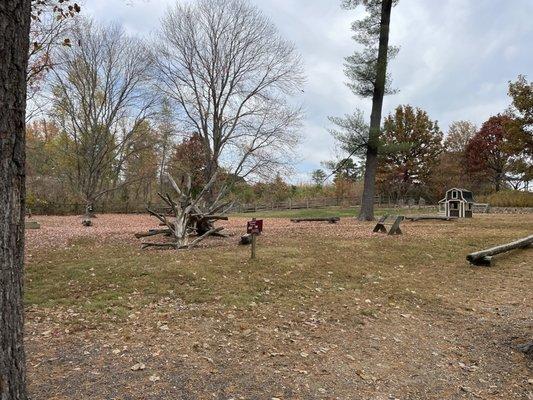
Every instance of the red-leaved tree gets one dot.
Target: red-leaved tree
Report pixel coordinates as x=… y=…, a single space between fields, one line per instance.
x=488 y=153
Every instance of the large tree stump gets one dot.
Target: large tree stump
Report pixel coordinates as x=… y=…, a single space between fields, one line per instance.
x=188 y=217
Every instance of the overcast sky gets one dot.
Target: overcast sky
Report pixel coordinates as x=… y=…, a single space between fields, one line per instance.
x=456 y=57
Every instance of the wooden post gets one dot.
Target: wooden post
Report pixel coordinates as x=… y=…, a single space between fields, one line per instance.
x=254 y=241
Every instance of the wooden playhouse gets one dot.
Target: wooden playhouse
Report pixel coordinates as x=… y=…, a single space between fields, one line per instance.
x=457 y=203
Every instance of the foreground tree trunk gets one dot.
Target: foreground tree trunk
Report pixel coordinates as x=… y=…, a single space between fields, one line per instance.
x=14 y=38
x=367 y=203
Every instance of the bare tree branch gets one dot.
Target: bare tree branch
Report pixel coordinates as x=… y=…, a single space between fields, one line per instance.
x=230 y=73
x=100 y=99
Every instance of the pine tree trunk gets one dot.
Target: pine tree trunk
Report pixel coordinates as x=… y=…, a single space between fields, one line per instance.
x=367 y=202
x=14 y=38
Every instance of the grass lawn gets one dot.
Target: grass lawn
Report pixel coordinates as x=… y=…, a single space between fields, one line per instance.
x=326 y=311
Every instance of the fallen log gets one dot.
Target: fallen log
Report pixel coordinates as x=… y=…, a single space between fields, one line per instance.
x=153 y=232
x=331 y=220
x=484 y=257
x=430 y=217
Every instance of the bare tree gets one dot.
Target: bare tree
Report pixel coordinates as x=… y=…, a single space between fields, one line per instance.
x=230 y=73
x=100 y=99
x=51 y=22
x=14 y=33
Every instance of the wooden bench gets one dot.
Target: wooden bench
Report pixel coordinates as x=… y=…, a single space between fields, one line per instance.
x=389 y=224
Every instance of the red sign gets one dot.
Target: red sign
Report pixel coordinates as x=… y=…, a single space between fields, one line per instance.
x=255 y=227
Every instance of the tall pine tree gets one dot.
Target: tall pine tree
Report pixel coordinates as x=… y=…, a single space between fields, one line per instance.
x=367 y=72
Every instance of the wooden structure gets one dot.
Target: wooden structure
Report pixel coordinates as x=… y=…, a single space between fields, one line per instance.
x=331 y=220
x=430 y=217
x=87 y=222
x=457 y=203
x=389 y=224
x=246 y=239
x=484 y=257
x=32 y=225
x=254 y=228
x=189 y=216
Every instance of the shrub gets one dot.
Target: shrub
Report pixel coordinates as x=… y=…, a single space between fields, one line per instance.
x=507 y=198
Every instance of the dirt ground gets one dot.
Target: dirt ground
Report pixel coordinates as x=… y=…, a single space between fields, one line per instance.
x=325 y=312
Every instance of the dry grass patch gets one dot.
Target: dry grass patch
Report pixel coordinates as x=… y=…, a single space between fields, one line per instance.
x=327 y=311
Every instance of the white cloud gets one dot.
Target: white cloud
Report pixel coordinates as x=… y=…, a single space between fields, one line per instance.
x=455 y=60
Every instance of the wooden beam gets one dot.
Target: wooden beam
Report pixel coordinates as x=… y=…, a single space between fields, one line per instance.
x=484 y=257
x=331 y=220
x=430 y=217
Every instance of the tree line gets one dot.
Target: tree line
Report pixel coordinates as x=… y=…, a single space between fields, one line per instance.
x=209 y=94
x=416 y=159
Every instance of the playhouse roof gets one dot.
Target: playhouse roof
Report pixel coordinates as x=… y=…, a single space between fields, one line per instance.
x=466 y=195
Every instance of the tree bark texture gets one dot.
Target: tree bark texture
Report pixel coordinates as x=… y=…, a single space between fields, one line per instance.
x=367 y=204
x=14 y=41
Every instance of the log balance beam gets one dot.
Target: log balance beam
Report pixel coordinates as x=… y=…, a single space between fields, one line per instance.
x=484 y=257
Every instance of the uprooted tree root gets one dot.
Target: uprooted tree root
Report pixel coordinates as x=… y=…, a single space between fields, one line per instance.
x=189 y=217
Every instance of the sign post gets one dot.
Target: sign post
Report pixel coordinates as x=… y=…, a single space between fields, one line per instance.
x=254 y=241
x=254 y=228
